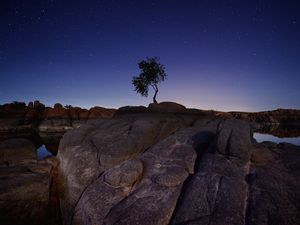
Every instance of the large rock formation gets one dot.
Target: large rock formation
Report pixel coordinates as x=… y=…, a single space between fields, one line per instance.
x=24 y=183
x=19 y=120
x=280 y=130
x=112 y=159
x=58 y=120
x=147 y=166
x=278 y=116
x=164 y=164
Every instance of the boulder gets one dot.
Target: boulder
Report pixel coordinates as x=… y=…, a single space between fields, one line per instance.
x=166 y=107
x=131 y=109
x=100 y=112
x=113 y=143
x=77 y=113
x=243 y=184
x=24 y=184
x=164 y=164
x=158 y=168
x=57 y=112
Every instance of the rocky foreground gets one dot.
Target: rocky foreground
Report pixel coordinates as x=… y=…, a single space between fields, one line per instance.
x=24 y=183
x=175 y=168
x=27 y=190
x=164 y=164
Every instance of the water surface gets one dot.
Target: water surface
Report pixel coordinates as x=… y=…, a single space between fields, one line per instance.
x=279 y=133
x=269 y=137
x=42 y=152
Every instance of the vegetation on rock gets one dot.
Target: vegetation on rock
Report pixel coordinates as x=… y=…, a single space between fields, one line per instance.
x=152 y=73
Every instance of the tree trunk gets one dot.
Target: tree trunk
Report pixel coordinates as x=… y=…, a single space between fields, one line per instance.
x=154 y=97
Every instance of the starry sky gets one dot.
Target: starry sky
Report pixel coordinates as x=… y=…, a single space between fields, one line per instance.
x=223 y=55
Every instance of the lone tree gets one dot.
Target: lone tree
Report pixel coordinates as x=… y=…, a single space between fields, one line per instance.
x=152 y=73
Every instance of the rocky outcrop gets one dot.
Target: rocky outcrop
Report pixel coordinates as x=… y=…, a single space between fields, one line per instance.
x=24 y=183
x=216 y=193
x=161 y=164
x=163 y=108
x=104 y=155
x=100 y=112
x=279 y=116
x=280 y=130
x=19 y=120
x=59 y=120
x=166 y=107
x=146 y=167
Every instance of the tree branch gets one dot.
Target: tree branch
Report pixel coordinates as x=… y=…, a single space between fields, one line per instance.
x=154 y=87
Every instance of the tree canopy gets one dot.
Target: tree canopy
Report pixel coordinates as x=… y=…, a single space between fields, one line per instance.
x=152 y=73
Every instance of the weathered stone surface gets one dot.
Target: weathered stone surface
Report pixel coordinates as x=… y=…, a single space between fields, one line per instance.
x=24 y=183
x=125 y=174
x=164 y=164
x=234 y=139
x=106 y=148
x=113 y=186
x=154 y=198
x=243 y=187
x=24 y=196
x=273 y=186
x=163 y=169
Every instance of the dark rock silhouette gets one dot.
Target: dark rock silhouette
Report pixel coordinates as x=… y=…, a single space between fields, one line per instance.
x=18 y=120
x=166 y=107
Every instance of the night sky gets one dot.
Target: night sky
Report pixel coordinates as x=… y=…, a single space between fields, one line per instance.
x=223 y=55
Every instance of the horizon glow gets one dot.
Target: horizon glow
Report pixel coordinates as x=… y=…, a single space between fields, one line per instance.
x=228 y=56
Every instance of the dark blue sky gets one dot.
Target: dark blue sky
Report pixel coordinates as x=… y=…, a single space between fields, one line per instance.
x=224 y=55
